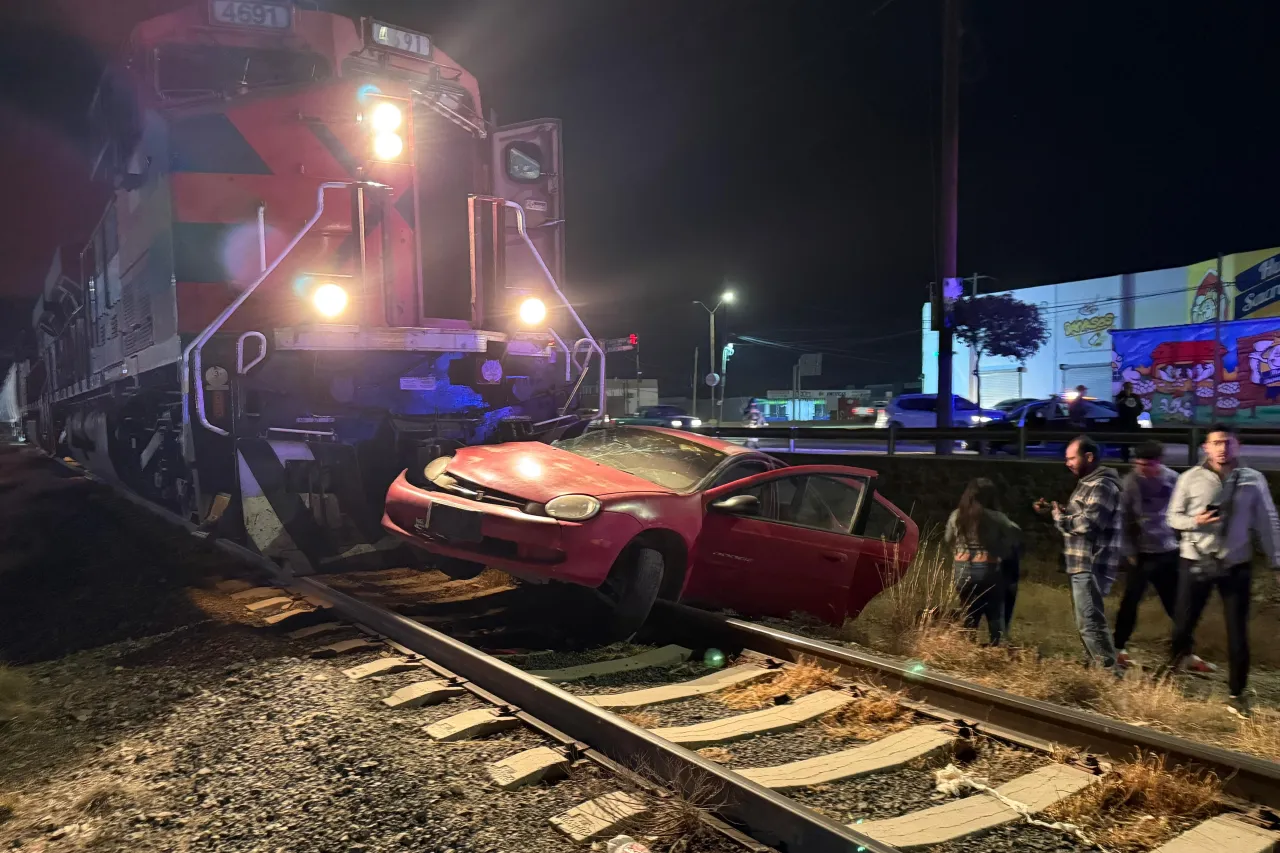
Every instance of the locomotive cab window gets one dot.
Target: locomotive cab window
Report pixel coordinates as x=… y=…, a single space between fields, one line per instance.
x=188 y=71
x=524 y=161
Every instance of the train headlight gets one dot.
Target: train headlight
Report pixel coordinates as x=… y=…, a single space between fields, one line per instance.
x=532 y=311
x=385 y=117
x=329 y=299
x=387 y=145
x=572 y=507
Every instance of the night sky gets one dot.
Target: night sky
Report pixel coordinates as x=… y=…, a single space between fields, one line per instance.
x=788 y=148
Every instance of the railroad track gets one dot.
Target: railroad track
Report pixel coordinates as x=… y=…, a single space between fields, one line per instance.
x=658 y=725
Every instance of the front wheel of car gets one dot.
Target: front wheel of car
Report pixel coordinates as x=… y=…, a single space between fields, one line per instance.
x=631 y=589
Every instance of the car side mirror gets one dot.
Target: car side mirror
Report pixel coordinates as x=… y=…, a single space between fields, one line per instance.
x=738 y=505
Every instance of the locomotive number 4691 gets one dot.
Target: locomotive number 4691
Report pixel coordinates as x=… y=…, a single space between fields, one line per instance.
x=250 y=14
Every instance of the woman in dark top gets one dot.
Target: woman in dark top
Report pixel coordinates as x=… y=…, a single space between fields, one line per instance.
x=982 y=538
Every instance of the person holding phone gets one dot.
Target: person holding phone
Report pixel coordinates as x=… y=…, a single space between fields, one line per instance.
x=1091 y=525
x=1218 y=506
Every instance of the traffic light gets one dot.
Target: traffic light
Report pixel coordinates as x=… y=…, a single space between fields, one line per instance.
x=632 y=339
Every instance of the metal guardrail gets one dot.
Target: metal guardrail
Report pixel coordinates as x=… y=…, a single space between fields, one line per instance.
x=984 y=439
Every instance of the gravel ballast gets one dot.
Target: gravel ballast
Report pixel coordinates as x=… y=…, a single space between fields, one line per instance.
x=153 y=716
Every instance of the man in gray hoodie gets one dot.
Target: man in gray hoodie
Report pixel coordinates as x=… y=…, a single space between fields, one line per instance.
x=1092 y=535
x=1218 y=506
x=1151 y=546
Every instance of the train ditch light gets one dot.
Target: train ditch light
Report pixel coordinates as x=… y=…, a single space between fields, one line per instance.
x=329 y=299
x=532 y=311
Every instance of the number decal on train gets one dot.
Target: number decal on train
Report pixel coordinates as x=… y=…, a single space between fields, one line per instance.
x=241 y=13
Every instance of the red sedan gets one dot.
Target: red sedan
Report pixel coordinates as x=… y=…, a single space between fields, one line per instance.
x=642 y=513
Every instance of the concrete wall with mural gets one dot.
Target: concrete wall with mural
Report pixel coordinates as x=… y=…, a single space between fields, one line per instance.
x=1205 y=372
x=1082 y=315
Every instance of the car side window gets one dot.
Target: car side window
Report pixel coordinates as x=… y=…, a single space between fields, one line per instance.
x=819 y=502
x=740 y=471
x=883 y=525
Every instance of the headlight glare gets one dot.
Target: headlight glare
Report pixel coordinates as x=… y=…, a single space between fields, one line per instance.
x=387 y=146
x=329 y=299
x=532 y=311
x=386 y=117
x=572 y=507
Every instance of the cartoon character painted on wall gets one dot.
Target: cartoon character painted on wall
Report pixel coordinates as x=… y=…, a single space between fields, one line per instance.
x=1180 y=378
x=1264 y=366
x=1207 y=304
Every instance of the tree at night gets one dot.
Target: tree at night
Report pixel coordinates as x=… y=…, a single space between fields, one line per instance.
x=1000 y=325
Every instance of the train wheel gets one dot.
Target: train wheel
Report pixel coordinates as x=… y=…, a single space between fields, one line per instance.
x=631 y=589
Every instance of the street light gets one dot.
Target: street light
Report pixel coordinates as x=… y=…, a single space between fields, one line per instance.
x=726 y=298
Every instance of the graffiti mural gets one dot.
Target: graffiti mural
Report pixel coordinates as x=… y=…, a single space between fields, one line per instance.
x=1204 y=372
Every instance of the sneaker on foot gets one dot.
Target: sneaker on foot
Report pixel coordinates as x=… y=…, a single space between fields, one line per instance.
x=1240 y=706
x=1193 y=663
x=1123 y=660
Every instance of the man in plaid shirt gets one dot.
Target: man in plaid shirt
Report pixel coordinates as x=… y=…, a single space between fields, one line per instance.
x=1092 y=531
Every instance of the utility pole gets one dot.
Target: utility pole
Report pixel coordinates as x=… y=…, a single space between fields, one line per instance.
x=694 y=405
x=1217 y=335
x=948 y=214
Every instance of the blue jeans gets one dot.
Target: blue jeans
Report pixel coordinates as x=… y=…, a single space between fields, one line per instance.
x=982 y=592
x=1091 y=619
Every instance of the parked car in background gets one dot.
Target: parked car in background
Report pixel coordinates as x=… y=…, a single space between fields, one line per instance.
x=660 y=416
x=642 y=513
x=915 y=411
x=1051 y=415
x=1009 y=405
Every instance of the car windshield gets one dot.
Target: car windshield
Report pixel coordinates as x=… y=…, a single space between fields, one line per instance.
x=662 y=412
x=669 y=461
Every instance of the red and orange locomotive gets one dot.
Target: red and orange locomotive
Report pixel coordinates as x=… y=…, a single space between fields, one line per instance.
x=320 y=265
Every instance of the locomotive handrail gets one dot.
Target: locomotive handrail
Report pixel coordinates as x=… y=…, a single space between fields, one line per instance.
x=568 y=364
x=191 y=353
x=546 y=272
x=241 y=367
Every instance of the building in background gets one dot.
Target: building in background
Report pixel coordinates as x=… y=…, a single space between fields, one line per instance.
x=624 y=396
x=1081 y=316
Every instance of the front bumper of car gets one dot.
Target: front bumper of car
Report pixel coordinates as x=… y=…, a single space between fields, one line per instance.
x=505 y=537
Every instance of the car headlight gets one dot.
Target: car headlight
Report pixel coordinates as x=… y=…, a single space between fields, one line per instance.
x=572 y=507
x=695 y=423
x=436 y=467
x=979 y=419
x=677 y=423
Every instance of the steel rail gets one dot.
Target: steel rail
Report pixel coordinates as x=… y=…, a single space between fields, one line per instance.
x=765 y=815
x=1245 y=776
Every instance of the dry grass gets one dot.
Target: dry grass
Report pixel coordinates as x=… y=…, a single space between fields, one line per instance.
x=106 y=797
x=1141 y=805
x=913 y=619
x=869 y=717
x=8 y=806
x=675 y=821
x=643 y=719
x=792 y=682
x=718 y=754
x=15 y=694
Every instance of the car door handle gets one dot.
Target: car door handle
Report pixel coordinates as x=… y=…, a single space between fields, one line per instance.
x=835 y=556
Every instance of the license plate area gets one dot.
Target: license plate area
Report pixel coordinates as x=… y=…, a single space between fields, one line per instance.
x=455 y=524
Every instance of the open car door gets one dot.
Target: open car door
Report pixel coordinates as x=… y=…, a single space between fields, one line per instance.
x=788 y=541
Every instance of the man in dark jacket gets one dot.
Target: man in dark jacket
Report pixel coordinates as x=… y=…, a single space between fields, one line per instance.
x=1092 y=535
x=1128 y=410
